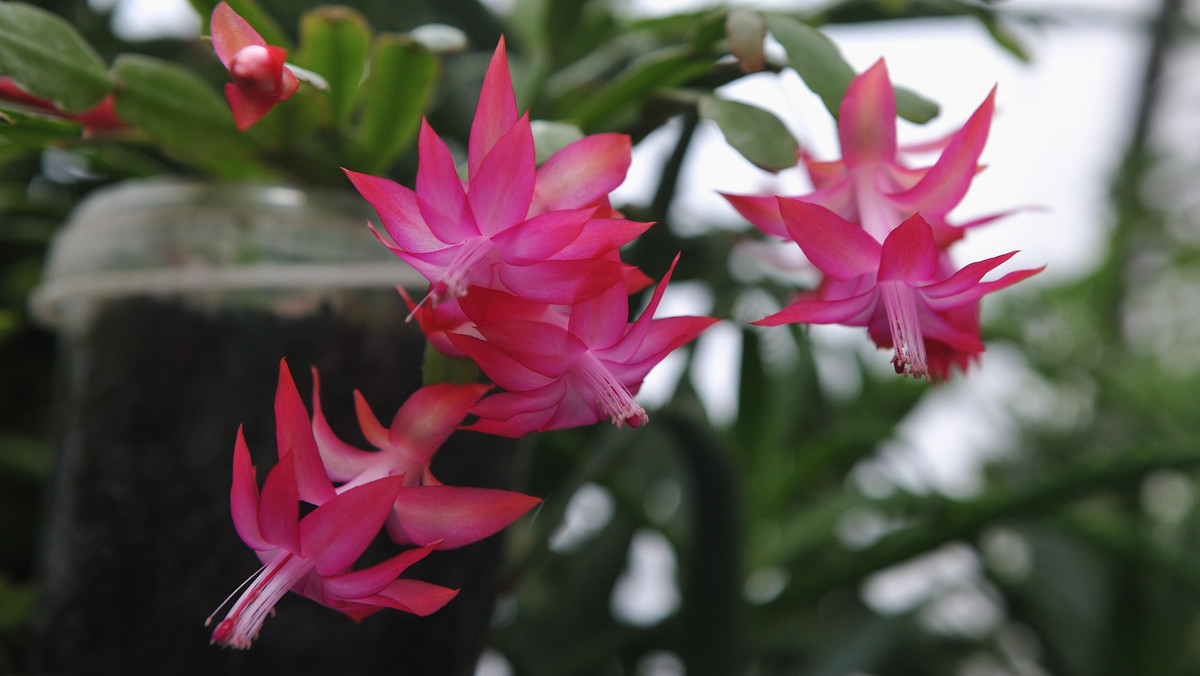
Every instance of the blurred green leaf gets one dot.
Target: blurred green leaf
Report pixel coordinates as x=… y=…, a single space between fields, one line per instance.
x=399 y=85
x=550 y=137
x=334 y=42
x=826 y=72
x=438 y=368
x=35 y=131
x=755 y=133
x=662 y=69
x=49 y=58
x=177 y=109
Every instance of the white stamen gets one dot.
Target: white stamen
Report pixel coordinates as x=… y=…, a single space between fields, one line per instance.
x=900 y=303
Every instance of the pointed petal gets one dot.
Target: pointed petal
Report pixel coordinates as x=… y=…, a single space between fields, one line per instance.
x=664 y=336
x=542 y=348
x=499 y=366
x=430 y=415
x=335 y=534
x=838 y=247
x=294 y=434
x=372 y=429
x=247 y=109
x=563 y=282
x=638 y=331
x=944 y=185
x=342 y=461
x=762 y=211
x=243 y=497
x=398 y=210
x=964 y=286
x=601 y=321
x=582 y=173
x=230 y=33
x=279 y=507
x=413 y=596
x=853 y=311
x=369 y=581
x=515 y=414
x=540 y=237
x=440 y=195
x=502 y=185
x=496 y=112
x=867 y=119
x=455 y=515
x=909 y=253
x=601 y=236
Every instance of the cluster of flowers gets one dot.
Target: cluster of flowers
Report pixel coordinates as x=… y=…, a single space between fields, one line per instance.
x=525 y=279
x=390 y=488
x=877 y=230
x=524 y=269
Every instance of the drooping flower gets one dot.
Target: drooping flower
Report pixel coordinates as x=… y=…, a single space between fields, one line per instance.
x=260 y=75
x=872 y=184
x=101 y=117
x=905 y=291
x=313 y=555
x=425 y=511
x=565 y=367
x=542 y=233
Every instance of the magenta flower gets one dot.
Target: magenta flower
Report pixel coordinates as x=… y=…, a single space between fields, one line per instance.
x=424 y=511
x=260 y=77
x=871 y=185
x=905 y=291
x=565 y=367
x=100 y=118
x=313 y=555
x=544 y=234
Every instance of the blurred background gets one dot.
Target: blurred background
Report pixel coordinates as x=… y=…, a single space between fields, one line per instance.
x=794 y=507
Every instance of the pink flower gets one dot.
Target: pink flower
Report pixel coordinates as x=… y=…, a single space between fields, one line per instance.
x=542 y=233
x=313 y=555
x=425 y=511
x=565 y=367
x=905 y=291
x=101 y=117
x=871 y=185
x=260 y=77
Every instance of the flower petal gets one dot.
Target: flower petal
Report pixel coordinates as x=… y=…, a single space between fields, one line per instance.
x=909 y=253
x=582 y=173
x=454 y=515
x=369 y=581
x=413 y=596
x=838 y=247
x=440 y=195
x=243 y=497
x=230 y=33
x=398 y=211
x=342 y=461
x=279 y=507
x=496 y=112
x=541 y=237
x=335 y=534
x=867 y=119
x=430 y=415
x=294 y=434
x=502 y=185
x=853 y=311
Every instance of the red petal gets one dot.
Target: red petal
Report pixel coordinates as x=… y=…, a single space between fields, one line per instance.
x=413 y=596
x=294 y=434
x=909 y=253
x=440 y=195
x=369 y=581
x=854 y=311
x=243 y=497
x=867 y=119
x=541 y=237
x=582 y=173
x=838 y=247
x=398 y=210
x=496 y=112
x=335 y=534
x=430 y=416
x=279 y=508
x=247 y=109
x=502 y=185
x=230 y=33
x=455 y=515
x=342 y=461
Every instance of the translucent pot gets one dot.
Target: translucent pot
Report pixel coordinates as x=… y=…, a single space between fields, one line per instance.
x=174 y=302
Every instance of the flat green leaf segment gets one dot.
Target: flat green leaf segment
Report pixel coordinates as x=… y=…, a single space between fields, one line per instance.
x=178 y=109
x=396 y=92
x=48 y=57
x=826 y=72
x=334 y=41
x=755 y=133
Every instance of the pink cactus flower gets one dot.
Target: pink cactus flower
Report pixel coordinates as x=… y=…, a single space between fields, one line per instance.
x=542 y=233
x=260 y=75
x=872 y=185
x=313 y=555
x=100 y=118
x=425 y=511
x=904 y=290
x=565 y=367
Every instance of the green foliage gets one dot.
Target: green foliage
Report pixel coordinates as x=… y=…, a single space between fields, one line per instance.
x=756 y=133
x=49 y=58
